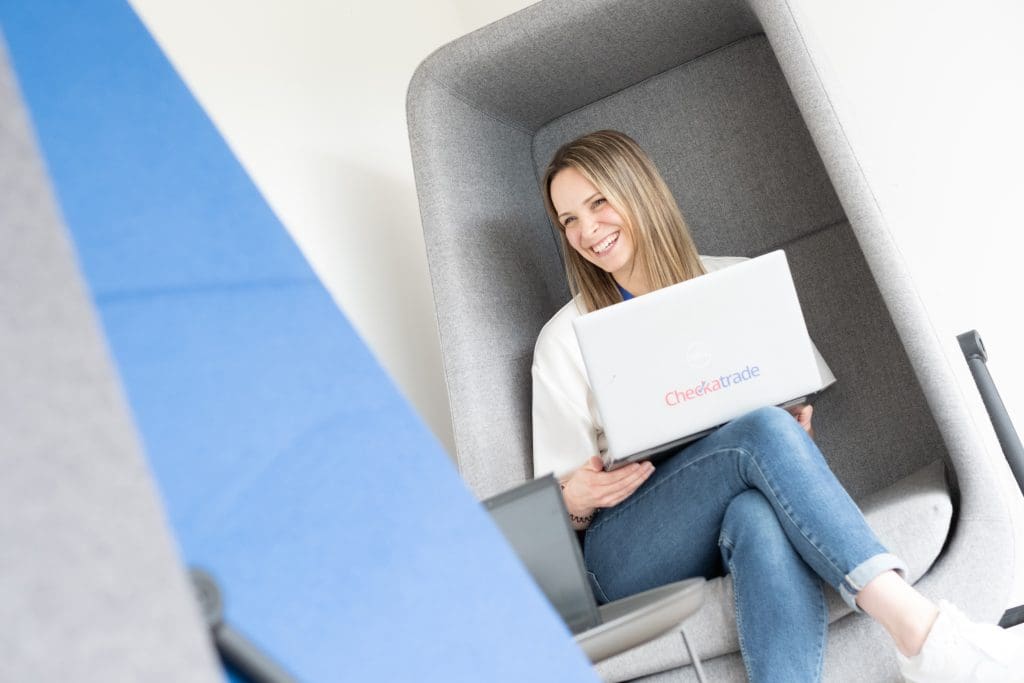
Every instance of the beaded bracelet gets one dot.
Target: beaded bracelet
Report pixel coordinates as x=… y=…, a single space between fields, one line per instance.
x=576 y=519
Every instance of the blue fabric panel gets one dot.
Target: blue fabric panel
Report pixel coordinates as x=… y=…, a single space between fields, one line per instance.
x=290 y=466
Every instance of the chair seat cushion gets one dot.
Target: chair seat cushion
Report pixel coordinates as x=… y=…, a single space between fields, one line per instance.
x=911 y=518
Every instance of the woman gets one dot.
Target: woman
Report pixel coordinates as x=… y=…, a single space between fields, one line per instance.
x=754 y=498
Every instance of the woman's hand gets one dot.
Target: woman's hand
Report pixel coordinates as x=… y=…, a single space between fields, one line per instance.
x=803 y=415
x=591 y=487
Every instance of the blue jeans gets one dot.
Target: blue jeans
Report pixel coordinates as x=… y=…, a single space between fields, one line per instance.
x=756 y=499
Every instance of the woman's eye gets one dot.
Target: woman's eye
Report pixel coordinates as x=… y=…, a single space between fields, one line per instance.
x=599 y=202
x=567 y=221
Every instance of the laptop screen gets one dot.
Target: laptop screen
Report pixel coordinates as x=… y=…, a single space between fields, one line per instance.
x=534 y=521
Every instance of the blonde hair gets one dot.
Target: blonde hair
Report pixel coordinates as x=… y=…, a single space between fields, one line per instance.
x=620 y=169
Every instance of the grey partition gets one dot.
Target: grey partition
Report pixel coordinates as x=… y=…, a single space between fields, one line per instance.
x=91 y=585
x=726 y=97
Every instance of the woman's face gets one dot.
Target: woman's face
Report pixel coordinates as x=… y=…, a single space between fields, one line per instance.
x=592 y=226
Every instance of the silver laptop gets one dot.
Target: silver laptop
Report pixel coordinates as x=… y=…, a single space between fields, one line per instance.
x=534 y=521
x=668 y=367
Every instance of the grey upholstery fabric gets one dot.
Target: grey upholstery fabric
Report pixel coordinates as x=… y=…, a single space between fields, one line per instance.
x=549 y=59
x=726 y=98
x=738 y=158
x=475 y=177
x=92 y=587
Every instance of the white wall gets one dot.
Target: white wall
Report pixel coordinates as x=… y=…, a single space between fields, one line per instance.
x=310 y=96
x=932 y=99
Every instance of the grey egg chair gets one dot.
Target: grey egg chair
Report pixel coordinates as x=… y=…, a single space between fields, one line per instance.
x=726 y=97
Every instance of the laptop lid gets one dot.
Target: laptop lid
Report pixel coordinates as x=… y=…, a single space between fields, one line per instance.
x=533 y=519
x=687 y=358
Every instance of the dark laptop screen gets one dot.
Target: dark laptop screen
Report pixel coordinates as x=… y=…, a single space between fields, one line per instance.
x=533 y=519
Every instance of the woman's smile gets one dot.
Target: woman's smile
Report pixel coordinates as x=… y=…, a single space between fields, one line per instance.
x=606 y=245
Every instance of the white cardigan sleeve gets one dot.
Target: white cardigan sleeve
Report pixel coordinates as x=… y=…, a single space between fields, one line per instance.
x=564 y=431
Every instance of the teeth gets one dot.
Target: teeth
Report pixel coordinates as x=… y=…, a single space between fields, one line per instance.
x=604 y=245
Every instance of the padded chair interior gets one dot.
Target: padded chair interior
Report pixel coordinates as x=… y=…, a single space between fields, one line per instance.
x=725 y=96
x=698 y=85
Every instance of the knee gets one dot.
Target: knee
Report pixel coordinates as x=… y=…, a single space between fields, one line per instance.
x=751 y=527
x=749 y=516
x=769 y=420
x=773 y=434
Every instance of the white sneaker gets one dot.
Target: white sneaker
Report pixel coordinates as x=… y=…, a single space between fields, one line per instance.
x=958 y=650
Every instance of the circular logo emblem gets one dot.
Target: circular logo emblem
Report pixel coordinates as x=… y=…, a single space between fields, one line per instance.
x=698 y=355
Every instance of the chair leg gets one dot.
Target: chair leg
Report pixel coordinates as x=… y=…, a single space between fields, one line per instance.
x=976 y=357
x=698 y=669
x=1012 y=617
x=239 y=655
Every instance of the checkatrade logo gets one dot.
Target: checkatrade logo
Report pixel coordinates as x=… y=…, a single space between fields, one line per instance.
x=706 y=387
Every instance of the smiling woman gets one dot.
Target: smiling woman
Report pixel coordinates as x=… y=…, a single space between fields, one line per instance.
x=626 y=234
x=754 y=499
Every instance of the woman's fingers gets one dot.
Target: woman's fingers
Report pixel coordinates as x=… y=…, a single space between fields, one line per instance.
x=592 y=487
x=612 y=492
x=803 y=415
x=804 y=418
x=613 y=500
x=612 y=481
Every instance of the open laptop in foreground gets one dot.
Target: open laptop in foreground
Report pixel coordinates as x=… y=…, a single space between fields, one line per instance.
x=668 y=367
x=533 y=519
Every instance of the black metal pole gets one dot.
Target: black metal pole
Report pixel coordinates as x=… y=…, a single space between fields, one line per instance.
x=974 y=352
x=234 y=649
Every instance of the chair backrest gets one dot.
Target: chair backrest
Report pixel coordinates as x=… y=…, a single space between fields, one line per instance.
x=699 y=86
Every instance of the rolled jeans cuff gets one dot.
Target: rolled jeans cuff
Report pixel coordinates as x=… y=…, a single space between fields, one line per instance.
x=863 y=574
